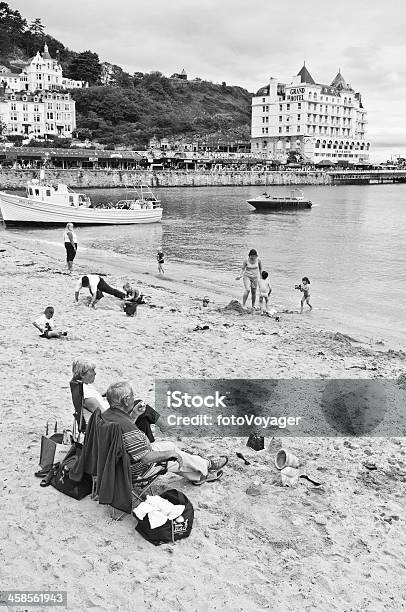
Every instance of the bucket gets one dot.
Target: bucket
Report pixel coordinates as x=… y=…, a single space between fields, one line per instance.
x=284 y=459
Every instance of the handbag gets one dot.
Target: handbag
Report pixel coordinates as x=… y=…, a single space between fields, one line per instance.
x=256 y=441
x=172 y=530
x=53 y=447
x=60 y=477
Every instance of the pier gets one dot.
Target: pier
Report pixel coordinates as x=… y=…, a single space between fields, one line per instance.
x=367 y=177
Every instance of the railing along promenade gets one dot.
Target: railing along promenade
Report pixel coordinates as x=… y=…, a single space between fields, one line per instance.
x=367 y=177
x=107 y=178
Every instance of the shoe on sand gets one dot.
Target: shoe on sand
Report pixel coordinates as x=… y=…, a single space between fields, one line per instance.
x=208 y=478
x=216 y=463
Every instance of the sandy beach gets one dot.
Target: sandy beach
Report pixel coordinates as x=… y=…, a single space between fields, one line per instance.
x=335 y=547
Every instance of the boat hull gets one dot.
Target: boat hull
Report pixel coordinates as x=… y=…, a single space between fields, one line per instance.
x=17 y=210
x=279 y=203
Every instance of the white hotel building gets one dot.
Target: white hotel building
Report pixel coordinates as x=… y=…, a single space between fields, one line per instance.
x=321 y=122
x=43 y=113
x=34 y=103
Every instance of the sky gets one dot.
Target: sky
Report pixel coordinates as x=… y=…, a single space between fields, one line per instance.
x=244 y=42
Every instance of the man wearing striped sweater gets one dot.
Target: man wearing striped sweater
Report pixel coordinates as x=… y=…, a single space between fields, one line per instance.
x=144 y=455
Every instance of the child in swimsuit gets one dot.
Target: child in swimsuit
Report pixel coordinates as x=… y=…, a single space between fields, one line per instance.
x=265 y=290
x=305 y=288
x=161 y=261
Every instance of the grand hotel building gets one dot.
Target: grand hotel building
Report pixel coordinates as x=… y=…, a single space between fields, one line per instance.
x=321 y=122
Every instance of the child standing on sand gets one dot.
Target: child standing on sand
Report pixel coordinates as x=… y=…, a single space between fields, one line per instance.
x=45 y=324
x=265 y=291
x=305 y=288
x=161 y=260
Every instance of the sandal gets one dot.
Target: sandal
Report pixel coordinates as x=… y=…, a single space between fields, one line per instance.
x=217 y=463
x=208 y=478
x=41 y=473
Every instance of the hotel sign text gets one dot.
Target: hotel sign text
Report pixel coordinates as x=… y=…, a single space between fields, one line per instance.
x=296 y=93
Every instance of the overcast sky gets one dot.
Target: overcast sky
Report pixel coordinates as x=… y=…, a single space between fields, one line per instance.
x=244 y=42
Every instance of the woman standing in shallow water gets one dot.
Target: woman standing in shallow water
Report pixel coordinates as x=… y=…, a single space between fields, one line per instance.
x=71 y=245
x=250 y=272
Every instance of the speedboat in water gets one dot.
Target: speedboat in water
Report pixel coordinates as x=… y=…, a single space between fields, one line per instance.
x=46 y=204
x=292 y=202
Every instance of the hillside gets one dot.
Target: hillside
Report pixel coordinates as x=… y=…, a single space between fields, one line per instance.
x=119 y=108
x=160 y=106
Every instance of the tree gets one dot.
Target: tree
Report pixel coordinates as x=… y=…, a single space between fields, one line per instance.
x=86 y=67
x=12 y=27
x=37 y=29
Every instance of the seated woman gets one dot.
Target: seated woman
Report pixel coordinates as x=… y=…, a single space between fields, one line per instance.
x=143 y=415
x=84 y=371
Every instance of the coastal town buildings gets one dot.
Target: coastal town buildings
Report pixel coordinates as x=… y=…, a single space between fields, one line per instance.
x=34 y=103
x=309 y=120
x=40 y=114
x=42 y=72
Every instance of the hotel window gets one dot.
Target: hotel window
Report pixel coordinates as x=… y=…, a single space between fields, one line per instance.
x=280 y=130
x=280 y=108
x=25 y=107
x=25 y=118
x=298 y=117
x=299 y=105
x=36 y=108
x=287 y=129
x=288 y=107
x=13 y=118
x=13 y=107
x=50 y=115
x=266 y=130
x=280 y=117
x=298 y=128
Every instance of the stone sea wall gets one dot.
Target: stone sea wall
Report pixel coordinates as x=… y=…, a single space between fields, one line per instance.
x=85 y=178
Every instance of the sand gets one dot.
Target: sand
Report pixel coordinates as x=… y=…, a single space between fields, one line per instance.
x=336 y=547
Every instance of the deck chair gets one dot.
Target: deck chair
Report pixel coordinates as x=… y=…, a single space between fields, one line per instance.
x=79 y=422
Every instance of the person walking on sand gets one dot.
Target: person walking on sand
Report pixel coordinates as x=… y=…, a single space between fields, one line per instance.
x=71 y=245
x=304 y=287
x=161 y=260
x=250 y=272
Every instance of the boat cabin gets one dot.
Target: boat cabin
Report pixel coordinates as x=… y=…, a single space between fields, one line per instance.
x=59 y=194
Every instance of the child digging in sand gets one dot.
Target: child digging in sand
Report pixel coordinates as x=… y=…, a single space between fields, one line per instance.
x=305 y=288
x=45 y=324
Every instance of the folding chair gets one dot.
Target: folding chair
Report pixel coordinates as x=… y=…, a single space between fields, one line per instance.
x=144 y=483
x=79 y=422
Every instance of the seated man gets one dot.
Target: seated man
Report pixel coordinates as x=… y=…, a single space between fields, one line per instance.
x=143 y=454
x=97 y=286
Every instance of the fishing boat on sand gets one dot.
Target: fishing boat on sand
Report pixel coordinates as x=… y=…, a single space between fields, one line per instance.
x=292 y=202
x=46 y=204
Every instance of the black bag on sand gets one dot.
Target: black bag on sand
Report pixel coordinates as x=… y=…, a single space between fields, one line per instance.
x=256 y=442
x=171 y=530
x=61 y=481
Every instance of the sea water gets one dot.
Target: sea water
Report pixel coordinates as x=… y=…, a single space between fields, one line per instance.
x=351 y=245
